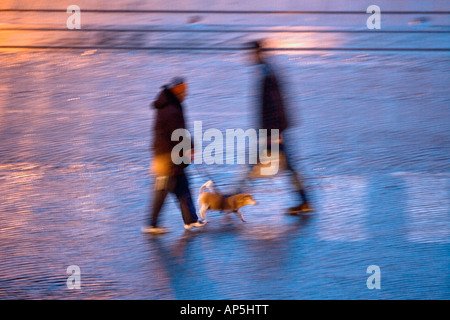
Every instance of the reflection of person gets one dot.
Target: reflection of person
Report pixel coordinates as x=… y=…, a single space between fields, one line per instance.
x=273 y=116
x=170 y=177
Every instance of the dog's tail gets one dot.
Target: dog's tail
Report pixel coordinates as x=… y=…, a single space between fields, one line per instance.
x=208 y=184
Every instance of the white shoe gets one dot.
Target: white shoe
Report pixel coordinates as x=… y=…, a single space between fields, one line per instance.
x=153 y=230
x=196 y=224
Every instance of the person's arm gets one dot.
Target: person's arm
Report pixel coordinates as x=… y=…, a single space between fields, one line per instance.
x=175 y=121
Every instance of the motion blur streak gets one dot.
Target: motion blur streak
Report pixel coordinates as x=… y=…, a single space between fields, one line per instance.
x=370 y=132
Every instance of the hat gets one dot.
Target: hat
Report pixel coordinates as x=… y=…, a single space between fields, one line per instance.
x=176 y=81
x=177 y=85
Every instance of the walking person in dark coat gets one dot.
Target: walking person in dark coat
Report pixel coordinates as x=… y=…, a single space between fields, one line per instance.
x=273 y=116
x=170 y=177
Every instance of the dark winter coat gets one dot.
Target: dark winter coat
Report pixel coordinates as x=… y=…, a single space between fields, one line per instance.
x=273 y=115
x=169 y=117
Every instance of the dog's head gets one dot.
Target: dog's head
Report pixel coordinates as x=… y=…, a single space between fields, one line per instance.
x=245 y=199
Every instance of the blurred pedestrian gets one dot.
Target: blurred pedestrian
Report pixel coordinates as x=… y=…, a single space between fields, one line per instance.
x=273 y=116
x=170 y=177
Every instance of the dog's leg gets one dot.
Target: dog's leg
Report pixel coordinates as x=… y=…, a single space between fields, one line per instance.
x=203 y=210
x=240 y=215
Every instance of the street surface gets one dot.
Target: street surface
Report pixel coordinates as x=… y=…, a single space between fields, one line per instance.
x=369 y=134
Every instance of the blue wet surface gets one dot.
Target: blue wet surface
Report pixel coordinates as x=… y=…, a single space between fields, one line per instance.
x=369 y=134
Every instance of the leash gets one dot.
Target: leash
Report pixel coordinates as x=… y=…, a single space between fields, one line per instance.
x=206 y=174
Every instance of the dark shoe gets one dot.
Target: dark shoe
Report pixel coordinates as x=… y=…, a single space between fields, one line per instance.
x=303 y=208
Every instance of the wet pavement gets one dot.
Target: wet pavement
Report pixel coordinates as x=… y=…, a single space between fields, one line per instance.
x=369 y=134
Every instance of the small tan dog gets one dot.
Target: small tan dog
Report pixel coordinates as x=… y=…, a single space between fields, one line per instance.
x=213 y=200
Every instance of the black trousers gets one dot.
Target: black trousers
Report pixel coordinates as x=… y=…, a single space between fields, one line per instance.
x=179 y=186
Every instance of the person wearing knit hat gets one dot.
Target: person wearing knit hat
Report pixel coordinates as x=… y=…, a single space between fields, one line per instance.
x=170 y=177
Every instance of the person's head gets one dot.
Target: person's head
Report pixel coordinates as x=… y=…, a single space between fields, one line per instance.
x=256 y=51
x=179 y=88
